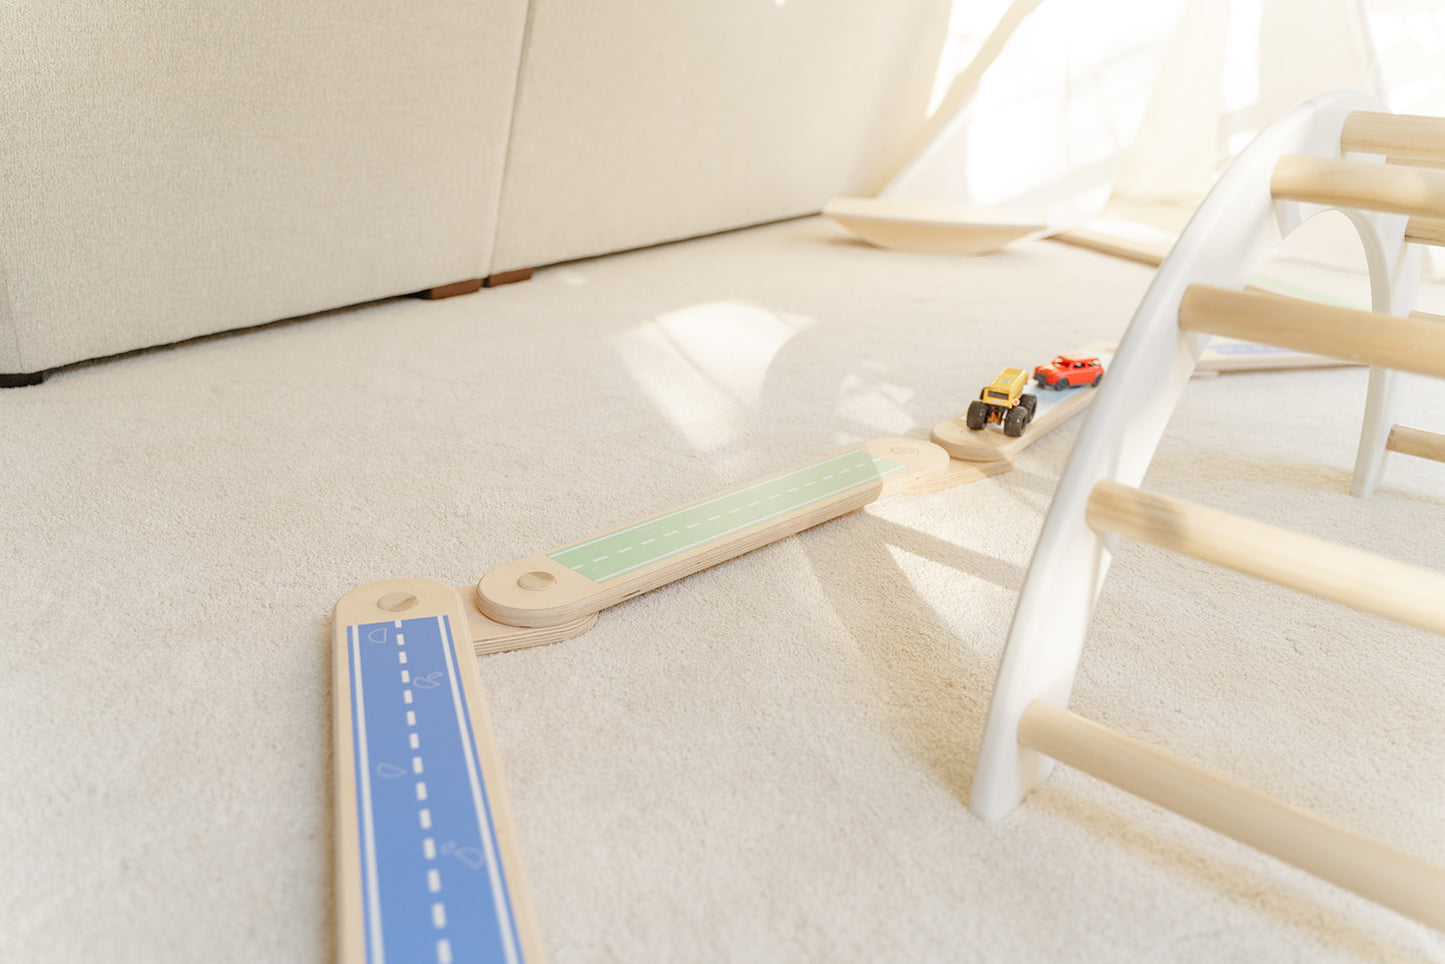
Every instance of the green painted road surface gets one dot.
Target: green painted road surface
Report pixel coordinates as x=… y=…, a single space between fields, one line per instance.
x=626 y=550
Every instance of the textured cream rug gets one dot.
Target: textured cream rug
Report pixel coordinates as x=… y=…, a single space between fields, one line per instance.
x=767 y=761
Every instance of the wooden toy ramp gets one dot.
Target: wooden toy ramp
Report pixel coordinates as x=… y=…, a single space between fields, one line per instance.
x=427 y=861
x=1336 y=152
x=991 y=444
x=426 y=855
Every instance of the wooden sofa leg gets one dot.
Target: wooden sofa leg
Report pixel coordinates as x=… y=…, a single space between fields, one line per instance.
x=475 y=284
x=452 y=290
x=21 y=379
x=506 y=277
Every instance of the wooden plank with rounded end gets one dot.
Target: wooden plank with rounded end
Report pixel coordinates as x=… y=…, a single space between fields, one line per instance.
x=1411 y=344
x=376 y=676
x=1416 y=442
x=958 y=472
x=990 y=444
x=568 y=583
x=1359 y=579
x=1331 y=852
x=1151 y=253
x=1401 y=135
x=1392 y=188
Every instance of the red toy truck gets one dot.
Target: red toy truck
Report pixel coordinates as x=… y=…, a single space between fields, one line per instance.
x=1069 y=371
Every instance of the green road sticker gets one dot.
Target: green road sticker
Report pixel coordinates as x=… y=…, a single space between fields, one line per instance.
x=625 y=550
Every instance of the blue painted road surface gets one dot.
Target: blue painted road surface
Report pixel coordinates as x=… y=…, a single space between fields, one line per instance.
x=433 y=887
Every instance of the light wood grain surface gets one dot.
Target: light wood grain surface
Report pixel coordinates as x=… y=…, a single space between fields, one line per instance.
x=1416 y=442
x=1392 y=188
x=1411 y=344
x=1401 y=135
x=385 y=601
x=540 y=591
x=1363 y=580
x=1325 y=849
x=991 y=444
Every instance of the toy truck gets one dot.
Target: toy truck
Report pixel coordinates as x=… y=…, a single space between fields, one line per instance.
x=1068 y=371
x=1004 y=402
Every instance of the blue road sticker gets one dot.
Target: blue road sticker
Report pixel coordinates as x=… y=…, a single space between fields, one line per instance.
x=433 y=887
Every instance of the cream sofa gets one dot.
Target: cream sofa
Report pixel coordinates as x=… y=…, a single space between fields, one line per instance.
x=166 y=174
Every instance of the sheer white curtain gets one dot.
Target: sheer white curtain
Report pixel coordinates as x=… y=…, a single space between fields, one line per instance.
x=1042 y=130
x=1148 y=100
x=1236 y=66
x=1409 y=40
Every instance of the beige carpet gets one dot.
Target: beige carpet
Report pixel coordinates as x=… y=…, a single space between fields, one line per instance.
x=767 y=761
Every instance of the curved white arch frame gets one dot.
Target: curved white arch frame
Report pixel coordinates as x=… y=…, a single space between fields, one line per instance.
x=1235 y=229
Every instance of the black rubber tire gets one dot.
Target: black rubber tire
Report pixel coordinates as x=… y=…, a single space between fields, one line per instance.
x=977 y=416
x=1030 y=402
x=1015 y=420
x=1097 y=379
x=1061 y=384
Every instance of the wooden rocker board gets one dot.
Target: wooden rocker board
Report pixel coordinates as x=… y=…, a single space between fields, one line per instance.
x=929 y=228
x=990 y=444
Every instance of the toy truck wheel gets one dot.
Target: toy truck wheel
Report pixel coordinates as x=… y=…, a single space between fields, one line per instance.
x=977 y=416
x=1015 y=420
x=1030 y=402
x=1098 y=379
x=1062 y=383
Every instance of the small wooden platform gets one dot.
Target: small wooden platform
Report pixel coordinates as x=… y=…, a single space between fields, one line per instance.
x=990 y=444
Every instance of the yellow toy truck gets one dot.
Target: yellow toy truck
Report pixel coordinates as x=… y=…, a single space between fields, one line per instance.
x=1004 y=402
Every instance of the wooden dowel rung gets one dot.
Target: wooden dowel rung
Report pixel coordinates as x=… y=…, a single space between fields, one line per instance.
x=1363 y=580
x=1416 y=442
x=1425 y=230
x=1392 y=188
x=1403 y=135
x=1416 y=161
x=1347 y=859
x=1411 y=344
